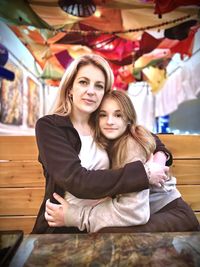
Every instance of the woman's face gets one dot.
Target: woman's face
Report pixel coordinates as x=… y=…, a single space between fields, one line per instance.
x=88 y=89
x=111 y=120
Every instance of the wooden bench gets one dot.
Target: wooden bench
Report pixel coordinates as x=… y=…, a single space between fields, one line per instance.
x=22 y=181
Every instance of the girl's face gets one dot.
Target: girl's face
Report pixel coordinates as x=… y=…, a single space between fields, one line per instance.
x=112 y=123
x=87 y=90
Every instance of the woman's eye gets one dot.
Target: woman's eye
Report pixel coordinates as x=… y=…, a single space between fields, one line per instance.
x=83 y=82
x=100 y=86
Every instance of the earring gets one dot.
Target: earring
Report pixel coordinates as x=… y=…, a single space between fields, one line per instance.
x=70 y=97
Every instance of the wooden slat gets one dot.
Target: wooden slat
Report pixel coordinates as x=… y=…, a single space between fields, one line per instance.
x=20 y=201
x=21 y=174
x=22 y=181
x=24 y=223
x=197 y=213
x=182 y=146
x=18 y=148
x=186 y=171
x=190 y=194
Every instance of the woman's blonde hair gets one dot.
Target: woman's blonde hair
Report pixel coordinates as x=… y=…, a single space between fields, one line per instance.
x=118 y=148
x=63 y=103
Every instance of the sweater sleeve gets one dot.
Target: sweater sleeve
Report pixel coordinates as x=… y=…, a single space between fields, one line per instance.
x=61 y=162
x=161 y=147
x=123 y=210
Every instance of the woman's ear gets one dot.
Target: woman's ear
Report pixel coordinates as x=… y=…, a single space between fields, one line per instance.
x=70 y=95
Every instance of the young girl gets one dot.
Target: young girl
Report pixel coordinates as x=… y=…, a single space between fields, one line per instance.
x=118 y=132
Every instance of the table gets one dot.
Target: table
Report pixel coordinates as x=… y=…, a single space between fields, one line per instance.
x=104 y=249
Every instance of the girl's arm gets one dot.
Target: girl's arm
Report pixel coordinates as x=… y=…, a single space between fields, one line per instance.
x=126 y=210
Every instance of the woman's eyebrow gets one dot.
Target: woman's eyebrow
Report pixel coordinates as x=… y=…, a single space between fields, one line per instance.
x=100 y=83
x=83 y=77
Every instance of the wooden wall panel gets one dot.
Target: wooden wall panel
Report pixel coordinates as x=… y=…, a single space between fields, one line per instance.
x=22 y=181
x=186 y=171
x=24 y=223
x=182 y=146
x=18 y=148
x=21 y=174
x=20 y=201
x=191 y=194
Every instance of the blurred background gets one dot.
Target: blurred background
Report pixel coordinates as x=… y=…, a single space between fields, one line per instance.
x=152 y=46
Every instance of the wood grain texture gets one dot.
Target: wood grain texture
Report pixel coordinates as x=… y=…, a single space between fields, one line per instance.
x=22 y=181
x=21 y=174
x=182 y=146
x=20 y=201
x=24 y=223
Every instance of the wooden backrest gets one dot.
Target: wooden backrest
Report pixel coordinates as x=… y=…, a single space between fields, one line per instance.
x=186 y=166
x=22 y=181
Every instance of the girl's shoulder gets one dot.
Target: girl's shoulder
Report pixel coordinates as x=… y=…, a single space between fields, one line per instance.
x=131 y=142
x=134 y=150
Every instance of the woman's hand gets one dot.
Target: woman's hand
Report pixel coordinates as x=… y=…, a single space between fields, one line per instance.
x=54 y=213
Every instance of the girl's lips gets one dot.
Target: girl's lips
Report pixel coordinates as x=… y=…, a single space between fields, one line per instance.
x=110 y=129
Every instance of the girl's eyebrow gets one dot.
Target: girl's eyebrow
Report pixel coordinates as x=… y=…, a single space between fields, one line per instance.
x=116 y=110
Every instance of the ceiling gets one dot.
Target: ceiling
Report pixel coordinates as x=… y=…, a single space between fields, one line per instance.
x=54 y=37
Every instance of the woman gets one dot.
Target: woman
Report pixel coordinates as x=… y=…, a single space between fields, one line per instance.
x=129 y=142
x=59 y=142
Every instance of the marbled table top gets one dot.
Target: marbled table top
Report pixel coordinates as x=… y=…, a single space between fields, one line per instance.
x=94 y=250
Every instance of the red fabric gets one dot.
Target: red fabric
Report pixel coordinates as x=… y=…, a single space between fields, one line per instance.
x=148 y=43
x=165 y=6
x=183 y=47
x=64 y=58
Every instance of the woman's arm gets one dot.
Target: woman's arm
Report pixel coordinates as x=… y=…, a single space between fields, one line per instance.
x=160 y=147
x=58 y=153
x=126 y=210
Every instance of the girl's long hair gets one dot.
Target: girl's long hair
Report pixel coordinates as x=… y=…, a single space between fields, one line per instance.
x=117 y=148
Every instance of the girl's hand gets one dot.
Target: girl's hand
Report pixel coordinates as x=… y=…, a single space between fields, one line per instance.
x=54 y=213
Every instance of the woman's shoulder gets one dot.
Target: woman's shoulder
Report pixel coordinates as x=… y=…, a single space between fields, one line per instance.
x=54 y=124
x=54 y=119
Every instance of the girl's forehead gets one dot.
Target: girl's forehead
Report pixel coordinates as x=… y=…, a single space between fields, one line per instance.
x=111 y=104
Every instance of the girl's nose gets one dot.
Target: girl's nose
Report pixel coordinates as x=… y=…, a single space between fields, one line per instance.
x=110 y=120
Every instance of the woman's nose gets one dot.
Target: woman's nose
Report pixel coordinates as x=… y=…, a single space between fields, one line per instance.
x=90 y=89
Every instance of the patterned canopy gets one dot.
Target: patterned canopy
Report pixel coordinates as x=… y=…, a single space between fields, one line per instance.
x=122 y=31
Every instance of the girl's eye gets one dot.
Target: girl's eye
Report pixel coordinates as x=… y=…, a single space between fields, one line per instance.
x=102 y=115
x=118 y=115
